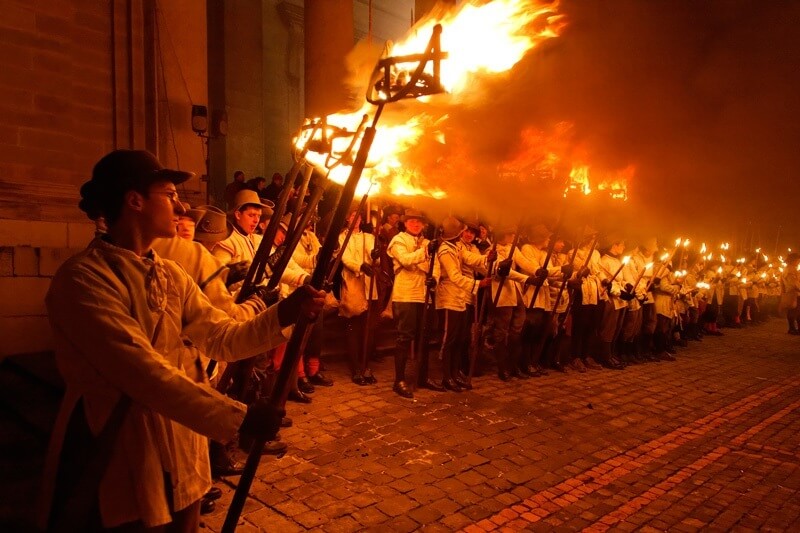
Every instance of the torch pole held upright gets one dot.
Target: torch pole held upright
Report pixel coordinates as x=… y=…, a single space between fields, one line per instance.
x=281 y=389
x=585 y=264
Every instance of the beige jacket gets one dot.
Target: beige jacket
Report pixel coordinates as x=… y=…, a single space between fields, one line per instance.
x=455 y=289
x=358 y=251
x=410 y=258
x=528 y=260
x=590 y=286
x=511 y=295
x=608 y=267
x=105 y=305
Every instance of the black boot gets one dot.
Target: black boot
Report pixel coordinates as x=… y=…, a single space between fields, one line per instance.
x=400 y=359
x=447 y=372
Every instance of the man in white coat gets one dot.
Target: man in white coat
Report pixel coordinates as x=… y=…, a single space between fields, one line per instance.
x=135 y=394
x=411 y=252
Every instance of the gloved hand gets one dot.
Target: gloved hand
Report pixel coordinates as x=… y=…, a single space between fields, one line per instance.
x=433 y=246
x=269 y=297
x=237 y=272
x=305 y=301
x=366 y=227
x=273 y=259
x=629 y=287
x=504 y=268
x=575 y=284
x=626 y=296
x=375 y=254
x=485 y=282
x=262 y=420
x=567 y=270
x=491 y=255
x=584 y=272
x=656 y=282
x=366 y=268
x=605 y=283
x=541 y=273
x=536 y=281
x=430 y=282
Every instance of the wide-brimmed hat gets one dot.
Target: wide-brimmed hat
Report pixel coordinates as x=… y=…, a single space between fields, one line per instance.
x=538 y=233
x=650 y=243
x=193 y=213
x=247 y=197
x=120 y=171
x=588 y=231
x=213 y=226
x=414 y=213
x=390 y=210
x=284 y=223
x=473 y=224
x=452 y=228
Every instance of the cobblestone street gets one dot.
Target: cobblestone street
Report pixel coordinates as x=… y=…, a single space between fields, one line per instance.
x=710 y=441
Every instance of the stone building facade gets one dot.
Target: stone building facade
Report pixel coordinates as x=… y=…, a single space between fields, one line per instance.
x=79 y=78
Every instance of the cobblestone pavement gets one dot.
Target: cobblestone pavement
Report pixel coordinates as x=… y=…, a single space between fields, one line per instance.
x=711 y=441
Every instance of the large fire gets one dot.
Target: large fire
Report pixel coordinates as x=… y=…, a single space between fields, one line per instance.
x=480 y=39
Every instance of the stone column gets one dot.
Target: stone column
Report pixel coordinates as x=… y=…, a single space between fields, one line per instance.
x=328 y=39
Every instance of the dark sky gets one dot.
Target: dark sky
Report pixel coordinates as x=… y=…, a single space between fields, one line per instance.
x=701 y=96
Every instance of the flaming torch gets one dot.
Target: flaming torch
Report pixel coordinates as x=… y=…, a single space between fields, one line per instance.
x=387 y=92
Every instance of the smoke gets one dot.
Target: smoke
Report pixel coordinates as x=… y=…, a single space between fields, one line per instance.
x=701 y=97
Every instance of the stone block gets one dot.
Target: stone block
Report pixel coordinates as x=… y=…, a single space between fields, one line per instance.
x=26 y=334
x=6 y=261
x=26 y=261
x=23 y=296
x=50 y=259
x=33 y=233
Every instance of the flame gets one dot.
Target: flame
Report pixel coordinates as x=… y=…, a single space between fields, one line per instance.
x=664 y=257
x=685 y=243
x=508 y=30
x=703 y=249
x=648 y=266
x=678 y=241
x=626 y=259
x=579 y=180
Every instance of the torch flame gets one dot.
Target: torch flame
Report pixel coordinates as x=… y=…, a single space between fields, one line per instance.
x=626 y=259
x=678 y=241
x=703 y=249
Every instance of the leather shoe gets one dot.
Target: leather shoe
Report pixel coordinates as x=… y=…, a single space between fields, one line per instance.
x=286 y=422
x=214 y=493
x=402 y=389
x=358 y=379
x=666 y=356
x=523 y=373
x=305 y=386
x=369 y=379
x=231 y=468
x=541 y=370
x=451 y=385
x=432 y=385
x=463 y=382
x=592 y=364
x=299 y=397
x=207 y=506
x=504 y=376
x=321 y=380
x=274 y=447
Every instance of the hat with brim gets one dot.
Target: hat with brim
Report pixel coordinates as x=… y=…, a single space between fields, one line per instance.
x=123 y=170
x=193 y=213
x=390 y=210
x=249 y=197
x=588 y=231
x=539 y=233
x=473 y=224
x=213 y=226
x=284 y=223
x=452 y=228
x=413 y=214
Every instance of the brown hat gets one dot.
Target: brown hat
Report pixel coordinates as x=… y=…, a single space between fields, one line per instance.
x=213 y=226
x=452 y=228
x=392 y=210
x=538 y=233
x=473 y=224
x=284 y=223
x=120 y=171
x=195 y=214
x=414 y=213
x=247 y=197
x=588 y=231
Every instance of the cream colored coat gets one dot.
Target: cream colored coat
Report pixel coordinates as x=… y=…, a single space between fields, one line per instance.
x=104 y=306
x=456 y=290
x=511 y=295
x=608 y=267
x=590 y=286
x=358 y=252
x=528 y=260
x=410 y=258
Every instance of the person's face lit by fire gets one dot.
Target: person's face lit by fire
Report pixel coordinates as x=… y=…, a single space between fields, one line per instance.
x=484 y=232
x=159 y=210
x=393 y=219
x=468 y=235
x=185 y=228
x=617 y=248
x=280 y=236
x=414 y=226
x=247 y=219
x=558 y=247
